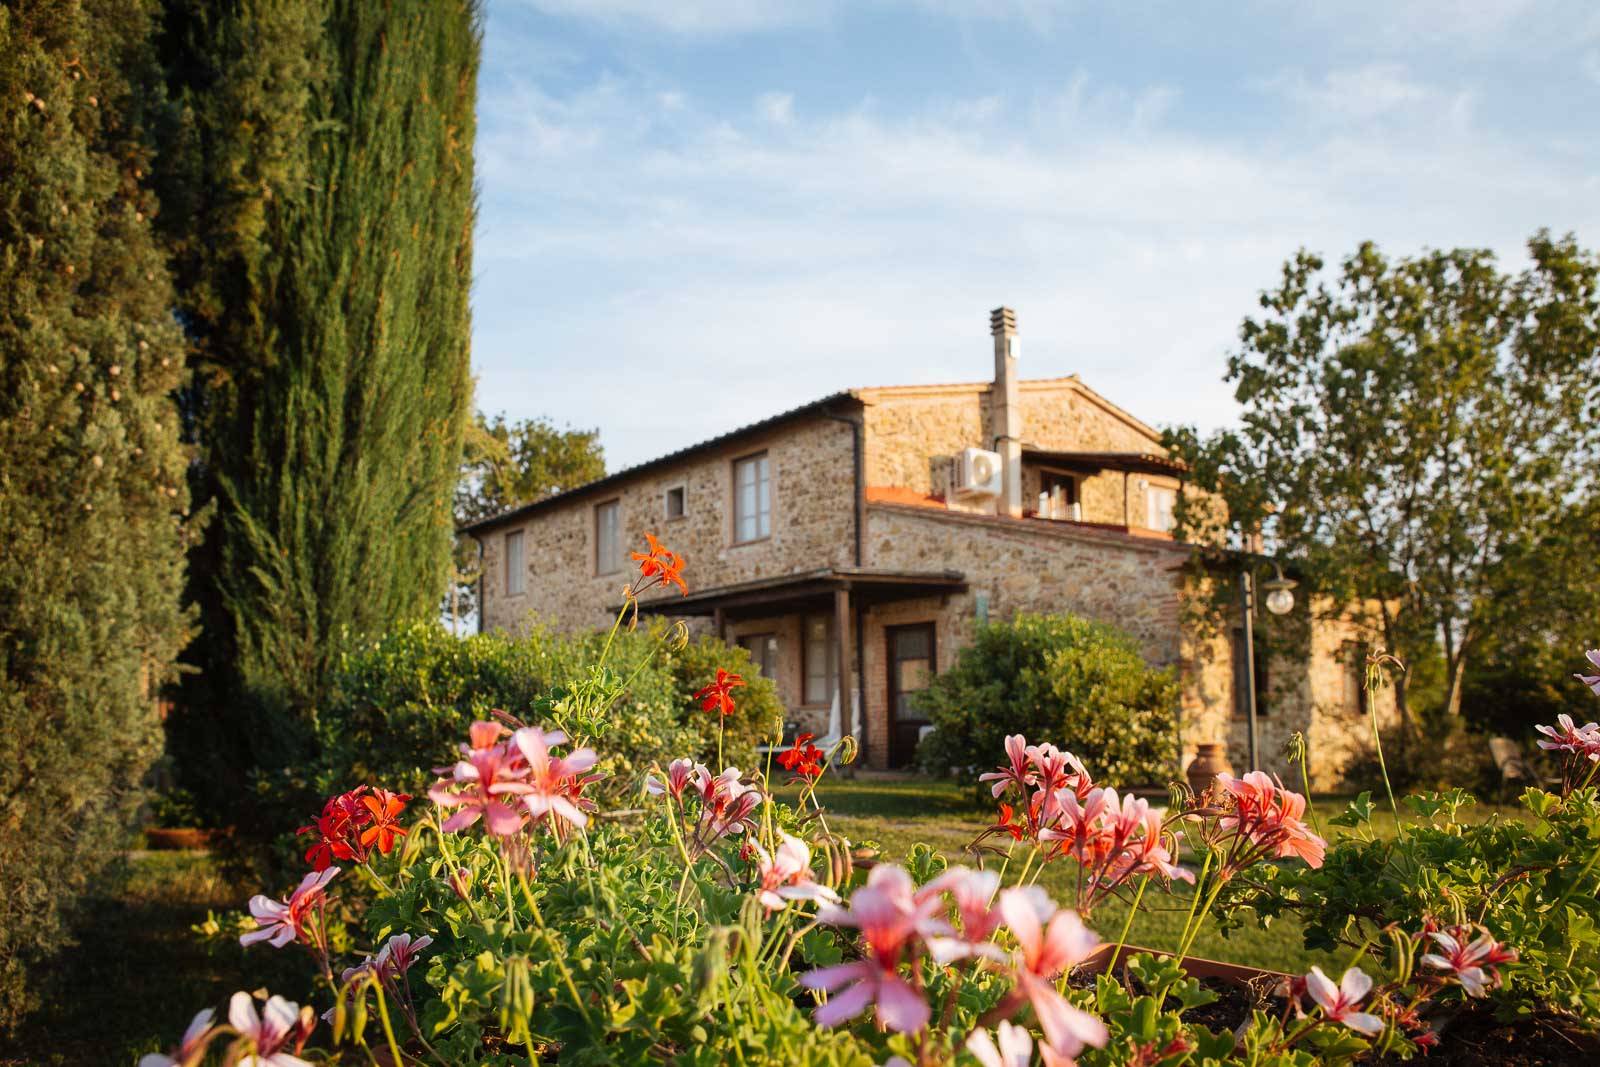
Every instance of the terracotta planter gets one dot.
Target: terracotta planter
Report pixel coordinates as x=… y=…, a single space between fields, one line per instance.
x=162 y=838
x=1210 y=760
x=1106 y=958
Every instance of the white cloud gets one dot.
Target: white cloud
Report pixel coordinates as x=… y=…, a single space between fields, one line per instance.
x=690 y=17
x=765 y=264
x=1370 y=92
x=776 y=108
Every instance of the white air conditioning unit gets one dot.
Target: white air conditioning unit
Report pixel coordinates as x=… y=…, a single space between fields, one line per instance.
x=978 y=473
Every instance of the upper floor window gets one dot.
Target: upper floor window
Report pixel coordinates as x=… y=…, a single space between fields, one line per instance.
x=608 y=554
x=676 y=502
x=516 y=565
x=752 y=498
x=1160 y=508
x=819 y=660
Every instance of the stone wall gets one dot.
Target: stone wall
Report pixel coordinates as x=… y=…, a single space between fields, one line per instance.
x=813 y=516
x=1015 y=565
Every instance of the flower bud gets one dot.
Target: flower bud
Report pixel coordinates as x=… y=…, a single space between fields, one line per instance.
x=461 y=882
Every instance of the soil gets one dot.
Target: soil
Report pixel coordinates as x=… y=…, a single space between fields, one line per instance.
x=1472 y=1038
x=1475 y=1038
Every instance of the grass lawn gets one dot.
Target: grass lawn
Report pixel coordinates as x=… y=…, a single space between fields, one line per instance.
x=138 y=973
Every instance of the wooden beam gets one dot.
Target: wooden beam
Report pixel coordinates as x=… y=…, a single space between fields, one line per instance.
x=844 y=642
x=720 y=624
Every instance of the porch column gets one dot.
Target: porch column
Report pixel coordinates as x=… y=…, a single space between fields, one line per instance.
x=842 y=645
x=720 y=624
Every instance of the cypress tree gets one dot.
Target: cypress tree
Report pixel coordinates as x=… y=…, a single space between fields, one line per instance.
x=92 y=493
x=324 y=170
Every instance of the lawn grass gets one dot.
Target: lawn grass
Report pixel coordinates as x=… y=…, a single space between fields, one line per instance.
x=896 y=813
x=139 y=973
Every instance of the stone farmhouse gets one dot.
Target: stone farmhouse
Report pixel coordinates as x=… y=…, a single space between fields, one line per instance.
x=853 y=543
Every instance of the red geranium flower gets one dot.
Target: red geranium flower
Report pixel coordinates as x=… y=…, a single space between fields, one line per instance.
x=661 y=563
x=1007 y=825
x=804 y=759
x=385 y=808
x=338 y=830
x=715 y=697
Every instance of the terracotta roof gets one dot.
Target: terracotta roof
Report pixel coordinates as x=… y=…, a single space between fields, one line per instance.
x=898 y=494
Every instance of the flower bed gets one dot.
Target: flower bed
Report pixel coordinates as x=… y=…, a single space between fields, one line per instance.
x=507 y=919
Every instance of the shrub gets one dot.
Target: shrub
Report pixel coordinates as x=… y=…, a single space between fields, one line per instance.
x=1055 y=676
x=401 y=703
x=92 y=474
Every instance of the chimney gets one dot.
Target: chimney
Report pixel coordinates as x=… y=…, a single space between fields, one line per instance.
x=1005 y=407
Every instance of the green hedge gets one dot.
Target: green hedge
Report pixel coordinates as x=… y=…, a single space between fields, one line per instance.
x=1079 y=685
x=402 y=703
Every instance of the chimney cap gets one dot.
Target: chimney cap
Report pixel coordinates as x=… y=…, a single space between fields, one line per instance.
x=1002 y=320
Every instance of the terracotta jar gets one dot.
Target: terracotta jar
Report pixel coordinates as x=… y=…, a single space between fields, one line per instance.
x=1210 y=760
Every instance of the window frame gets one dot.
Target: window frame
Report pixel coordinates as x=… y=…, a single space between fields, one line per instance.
x=1150 y=492
x=764 y=458
x=683 y=502
x=620 y=563
x=830 y=656
x=1263 y=675
x=516 y=578
x=745 y=641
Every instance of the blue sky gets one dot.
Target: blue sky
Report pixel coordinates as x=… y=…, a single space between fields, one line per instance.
x=695 y=213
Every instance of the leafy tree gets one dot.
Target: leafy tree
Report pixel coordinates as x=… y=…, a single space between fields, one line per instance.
x=1415 y=436
x=320 y=188
x=92 y=495
x=508 y=464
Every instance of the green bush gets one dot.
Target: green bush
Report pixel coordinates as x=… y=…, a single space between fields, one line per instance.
x=401 y=701
x=1078 y=684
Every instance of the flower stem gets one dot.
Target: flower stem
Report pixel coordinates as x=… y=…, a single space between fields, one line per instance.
x=1205 y=869
x=1133 y=909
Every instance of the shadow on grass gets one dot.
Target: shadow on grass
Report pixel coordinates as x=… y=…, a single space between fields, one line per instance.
x=139 y=973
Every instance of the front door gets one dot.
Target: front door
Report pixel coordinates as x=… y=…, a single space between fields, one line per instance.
x=911 y=665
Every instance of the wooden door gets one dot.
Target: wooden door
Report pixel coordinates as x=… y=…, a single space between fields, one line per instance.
x=911 y=666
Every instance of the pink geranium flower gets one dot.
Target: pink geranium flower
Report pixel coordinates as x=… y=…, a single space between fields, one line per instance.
x=728 y=806
x=786 y=874
x=478 y=784
x=1566 y=737
x=1014 y=1050
x=890 y=919
x=1338 y=1002
x=1591 y=680
x=398 y=953
x=282 y=921
x=1079 y=824
x=549 y=786
x=1471 y=961
x=680 y=773
x=191 y=1049
x=1018 y=771
x=1271 y=818
x=972 y=892
x=276 y=1034
x=1049 y=940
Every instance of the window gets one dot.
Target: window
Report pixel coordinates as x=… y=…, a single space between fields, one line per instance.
x=675 y=499
x=608 y=537
x=1241 y=697
x=752 y=499
x=1159 y=506
x=763 y=649
x=1058 y=495
x=819 y=660
x=516 y=565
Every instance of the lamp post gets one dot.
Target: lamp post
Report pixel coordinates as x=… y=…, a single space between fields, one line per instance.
x=1280 y=601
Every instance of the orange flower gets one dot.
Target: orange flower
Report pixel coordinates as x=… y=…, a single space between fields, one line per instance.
x=804 y=759
x=716 y=695
x=385 y=827
x=661 y=563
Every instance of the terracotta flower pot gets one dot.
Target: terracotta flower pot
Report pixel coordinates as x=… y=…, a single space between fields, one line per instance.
x=164 y=838
x=1106 y=958
x=1210 y=760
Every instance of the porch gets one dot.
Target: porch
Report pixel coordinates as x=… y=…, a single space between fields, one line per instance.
x=817 y=635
